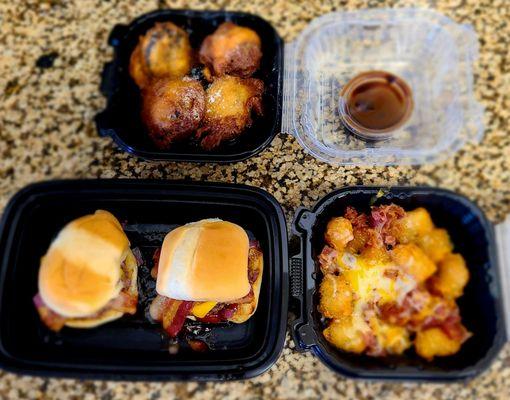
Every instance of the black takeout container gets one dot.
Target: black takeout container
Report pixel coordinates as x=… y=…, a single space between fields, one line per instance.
x=481 y=306
x=121 y=118
x=133 y=348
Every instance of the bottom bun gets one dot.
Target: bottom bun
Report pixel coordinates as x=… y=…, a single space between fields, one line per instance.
x=246 y=310
x=109 y=315
x=103 y=318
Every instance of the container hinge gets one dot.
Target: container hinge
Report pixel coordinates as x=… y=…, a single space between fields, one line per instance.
x=304 y=337
x=503 y=249
x=296 y=277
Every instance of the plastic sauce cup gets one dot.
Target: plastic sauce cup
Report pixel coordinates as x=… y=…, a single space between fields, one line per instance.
x=374 y=104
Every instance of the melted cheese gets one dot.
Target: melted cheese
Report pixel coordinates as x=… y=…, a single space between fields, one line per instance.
x=369 y=282
x=200 y=310
x=372 y=287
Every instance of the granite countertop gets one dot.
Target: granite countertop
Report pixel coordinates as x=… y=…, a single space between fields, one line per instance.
x=52 y=53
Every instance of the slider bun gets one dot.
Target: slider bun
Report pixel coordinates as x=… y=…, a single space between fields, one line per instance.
x=246 y=310
x=204 y=261
x=80 y=272
x=108 y=314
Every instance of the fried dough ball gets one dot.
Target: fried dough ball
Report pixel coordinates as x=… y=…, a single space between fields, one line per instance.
x=339 y=233
x=172 y=109
x=414 y=261
x=231 y=50
x=434 y=342
x=345 y=334
x=451 y=277
x=436 y=244
x=336 y=297
x=229 y=104
x=163 y=52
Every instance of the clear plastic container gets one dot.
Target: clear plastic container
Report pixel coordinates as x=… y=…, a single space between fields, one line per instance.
x=433 y=54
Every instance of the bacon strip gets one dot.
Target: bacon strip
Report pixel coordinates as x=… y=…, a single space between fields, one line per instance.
x=51 y=319
x=155 y=262
x=221 y=314
x=174 y=316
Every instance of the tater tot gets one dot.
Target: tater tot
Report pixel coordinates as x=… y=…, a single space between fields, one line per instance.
x=451 y=277
x=393 y=339
x=345 y=335
x=414 y=224
x=360 y=238
x=414 y=261
x=336 y=298
x=434 y=342
x=375 y=255
x=436 y=244
x=339 y=233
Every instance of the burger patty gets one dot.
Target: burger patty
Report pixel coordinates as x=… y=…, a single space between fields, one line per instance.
x=124 y=302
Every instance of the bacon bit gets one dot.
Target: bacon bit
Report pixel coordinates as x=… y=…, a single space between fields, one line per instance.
x=327 y=260
x=373 y=347
x=402 y=314
x=383 y=215
x=441 y=315
x=222 y=315
x=358 y=220
x=228 y=312
x=253 y=274
x=211 y=319
x=155 y=262
x=395 y=314
x=174 y=316
x=197 y=345
x=382 y=218
x=138 y=256
x=124 y=302
x=391 y=273
x=51 y=319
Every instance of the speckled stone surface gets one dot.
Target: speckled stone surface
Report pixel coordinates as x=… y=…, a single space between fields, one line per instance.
x=46 y=132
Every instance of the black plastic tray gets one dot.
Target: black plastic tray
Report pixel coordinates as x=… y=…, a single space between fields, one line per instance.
x=121 y=118
x=133 y=348
x=481 y=305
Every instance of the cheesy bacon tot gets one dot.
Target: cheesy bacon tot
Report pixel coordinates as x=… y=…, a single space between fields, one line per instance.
x=390 y=282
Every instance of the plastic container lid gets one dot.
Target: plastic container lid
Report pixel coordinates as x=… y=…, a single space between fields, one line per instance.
x=433 y=54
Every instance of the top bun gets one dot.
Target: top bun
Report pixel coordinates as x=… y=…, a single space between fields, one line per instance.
x=204 y=261
x=81 y=270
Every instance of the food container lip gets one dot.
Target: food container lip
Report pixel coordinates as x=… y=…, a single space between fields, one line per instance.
x=110 y=82
x=303 y=227
x=254 y=364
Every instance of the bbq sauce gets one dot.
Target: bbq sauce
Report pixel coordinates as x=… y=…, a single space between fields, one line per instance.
x=375 y=103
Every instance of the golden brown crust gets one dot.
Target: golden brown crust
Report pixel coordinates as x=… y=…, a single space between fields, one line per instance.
x=232 y=50
x=230 y=102
x=164 y=51
x=172 y=109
